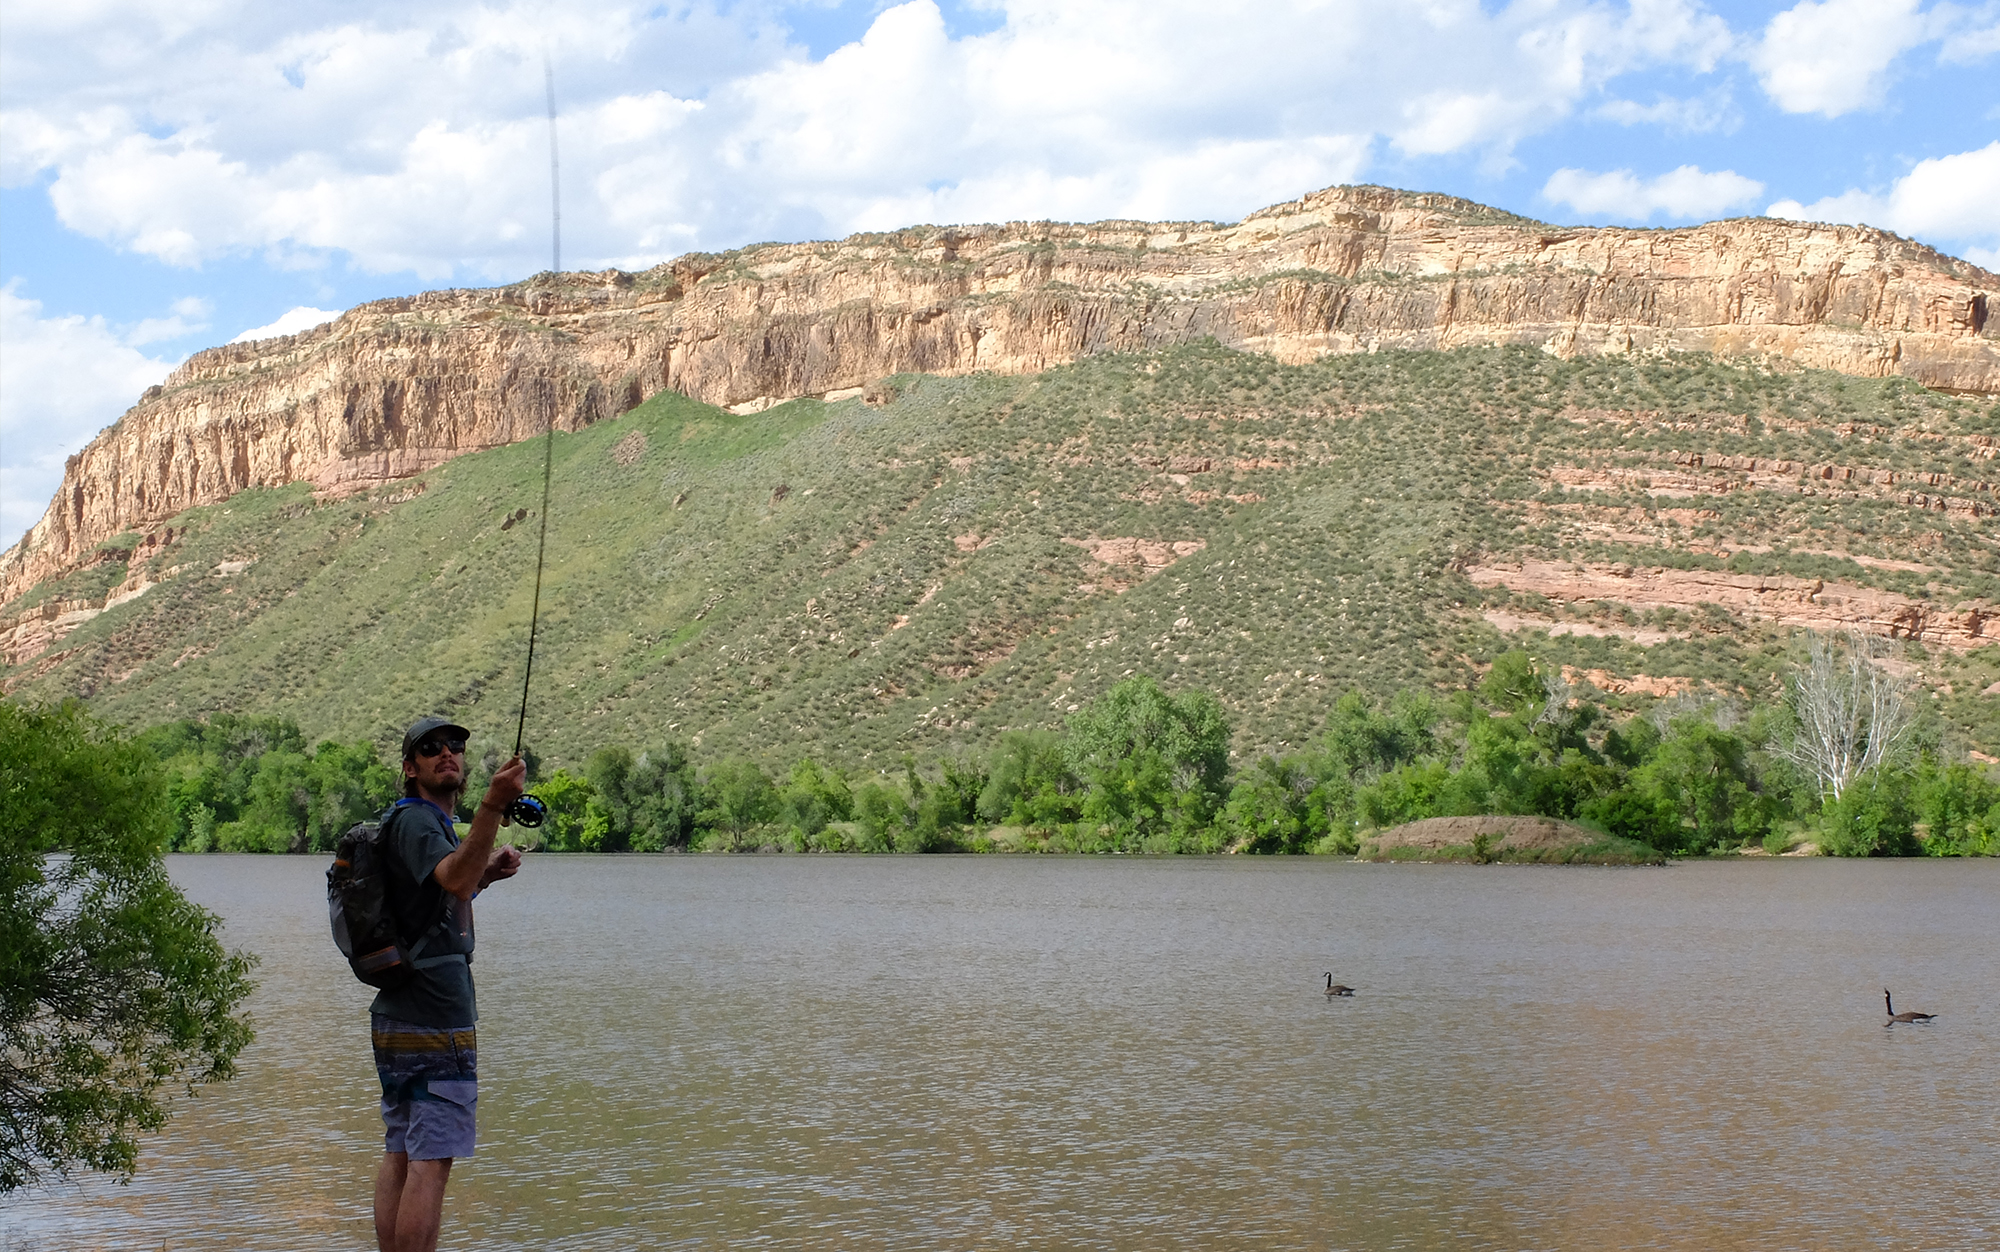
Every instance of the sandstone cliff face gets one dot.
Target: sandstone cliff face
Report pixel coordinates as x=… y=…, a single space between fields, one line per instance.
x=398 y=386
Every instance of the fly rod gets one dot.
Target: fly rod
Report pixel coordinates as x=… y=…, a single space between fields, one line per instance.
x=527 y=810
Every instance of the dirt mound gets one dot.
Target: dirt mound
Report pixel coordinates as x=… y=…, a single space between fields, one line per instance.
x=1494 y=838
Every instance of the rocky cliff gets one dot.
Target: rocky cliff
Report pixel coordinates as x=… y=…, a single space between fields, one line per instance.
x=395 y=387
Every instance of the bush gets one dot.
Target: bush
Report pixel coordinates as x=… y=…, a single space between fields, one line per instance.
x=883 y=816
x=116 y=989
x=1152 y=765
x=646 y=803
x=574 y=823
x=735 y=796
x=1407 y=793
x=1876 y=815
x=1632 y=814
x=1701 y=774
x=813 y=798
x=1959 y=809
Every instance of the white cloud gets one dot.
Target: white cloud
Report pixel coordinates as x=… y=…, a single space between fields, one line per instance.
x=1685 y=192
x=1206 y=182
x=290 y=322
x=1694 y=115
x=1945 y=198
x=1973 y=40
x=186 y=316
x=62 y=379
x=1833 y=56
x=412 y=139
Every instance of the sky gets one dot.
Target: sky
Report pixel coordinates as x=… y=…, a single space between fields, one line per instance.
x=176 y=174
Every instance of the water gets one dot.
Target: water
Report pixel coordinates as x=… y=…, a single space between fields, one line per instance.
x=983 y=1052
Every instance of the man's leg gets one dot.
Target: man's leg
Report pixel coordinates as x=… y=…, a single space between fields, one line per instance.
x=430 y=1097
x=422 y=1205
x=388 y=1198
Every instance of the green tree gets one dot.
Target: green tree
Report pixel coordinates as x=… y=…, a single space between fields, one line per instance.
x=350 y=783
x=945 y=806
x=295 y=802
x=737 y=795
x=1272 y=807
x=274 y=813
x=1633 y=814
x=609 y=818
x=813 y=798
x=1153 y=765
x=1514 y=685
x=645 y=803
x=1629 y=745
x=1407 y=793
x=114 y=989
x=1875 y=814
x=662 y=798
x=1363 y=740
x=569 y=826
x=1959 y=808
x=884 y=815
x=1701 y=773
x=211 y=766
x=1029 y=782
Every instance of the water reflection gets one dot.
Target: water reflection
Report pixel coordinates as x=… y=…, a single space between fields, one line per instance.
x=1125 y=1053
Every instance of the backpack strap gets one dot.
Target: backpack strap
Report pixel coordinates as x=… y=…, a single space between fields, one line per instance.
x=430 y=928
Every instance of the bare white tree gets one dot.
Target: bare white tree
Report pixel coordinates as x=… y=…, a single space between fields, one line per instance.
x=1557 y=693
x=1850 y=712
x=1724 y=710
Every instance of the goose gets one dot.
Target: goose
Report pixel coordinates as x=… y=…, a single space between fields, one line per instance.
x=1335 y=988
x=1895 y=1017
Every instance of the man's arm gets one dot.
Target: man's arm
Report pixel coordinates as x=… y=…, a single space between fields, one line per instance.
x=466 y=868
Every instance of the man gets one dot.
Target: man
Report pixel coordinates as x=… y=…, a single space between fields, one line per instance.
x=426 y=1052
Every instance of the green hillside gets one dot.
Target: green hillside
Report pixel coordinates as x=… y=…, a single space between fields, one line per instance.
x=862 y=581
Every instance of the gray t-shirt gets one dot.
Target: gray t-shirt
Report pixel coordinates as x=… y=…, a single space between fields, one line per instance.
x=420 y=835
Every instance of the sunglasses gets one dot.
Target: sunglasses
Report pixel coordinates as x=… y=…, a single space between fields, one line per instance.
x=431 y=747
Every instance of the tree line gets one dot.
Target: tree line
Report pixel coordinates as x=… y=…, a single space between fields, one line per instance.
x=1845 y=760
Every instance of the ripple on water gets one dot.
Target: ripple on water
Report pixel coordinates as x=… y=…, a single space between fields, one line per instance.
x=968 y=1052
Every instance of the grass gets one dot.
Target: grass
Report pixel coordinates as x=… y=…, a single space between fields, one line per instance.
x=912 y=588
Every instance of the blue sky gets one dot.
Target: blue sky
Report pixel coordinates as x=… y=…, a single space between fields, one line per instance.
x=176 y=173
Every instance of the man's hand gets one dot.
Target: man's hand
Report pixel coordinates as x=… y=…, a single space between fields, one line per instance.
x=507 y=785
x=504 y=863
x=476 y=862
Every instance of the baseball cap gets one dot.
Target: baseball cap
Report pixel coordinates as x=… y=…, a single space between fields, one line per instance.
x=425 y=726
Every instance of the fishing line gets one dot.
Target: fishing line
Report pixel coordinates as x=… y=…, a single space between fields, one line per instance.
x=527 y=810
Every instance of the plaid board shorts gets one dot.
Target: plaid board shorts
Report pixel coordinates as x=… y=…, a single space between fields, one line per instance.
x=430 y=1087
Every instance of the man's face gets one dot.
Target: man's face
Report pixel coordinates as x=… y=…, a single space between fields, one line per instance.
x=438 y=763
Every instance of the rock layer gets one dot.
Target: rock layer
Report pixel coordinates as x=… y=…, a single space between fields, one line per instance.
x=1807 y=603
x=395 y=387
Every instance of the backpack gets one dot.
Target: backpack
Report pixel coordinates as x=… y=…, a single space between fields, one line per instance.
x=357 y=900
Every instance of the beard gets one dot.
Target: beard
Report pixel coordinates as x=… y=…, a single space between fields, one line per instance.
x=445 y=794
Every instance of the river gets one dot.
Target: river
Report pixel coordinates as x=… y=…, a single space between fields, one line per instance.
x=1118 y=1052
